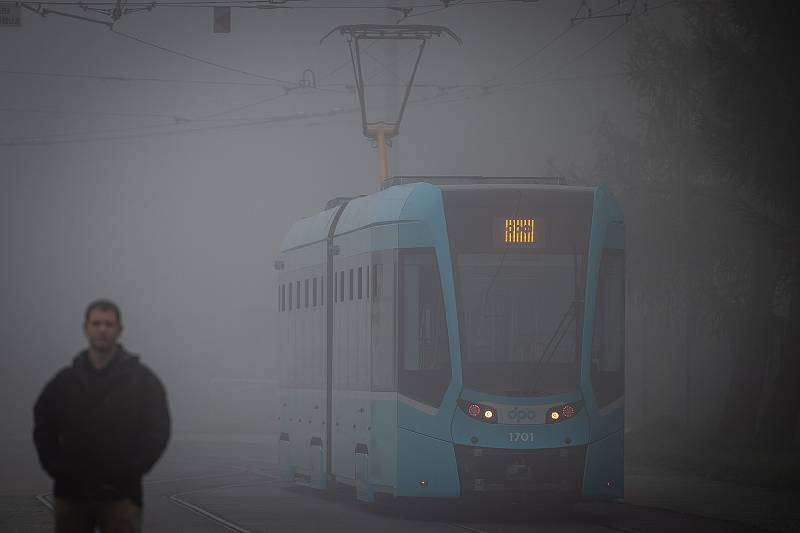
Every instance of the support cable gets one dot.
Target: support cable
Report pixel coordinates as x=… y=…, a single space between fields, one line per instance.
x=43 y=12
x=530 y=57
x=199 y=60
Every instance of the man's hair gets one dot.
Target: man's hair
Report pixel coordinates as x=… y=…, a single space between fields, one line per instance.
x=102 y=305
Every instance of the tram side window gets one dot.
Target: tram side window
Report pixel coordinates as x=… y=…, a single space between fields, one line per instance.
x=382 y=315
x=314 y=292
x=374 y=281
x=424 y=361
x=305 y=293
x=608 y=337
x=341 y=286
x=350 y=286
x=290 y=296
x=358 y=282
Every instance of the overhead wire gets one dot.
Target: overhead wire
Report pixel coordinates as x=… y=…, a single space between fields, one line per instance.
x=53 y=139
x=241 y=107
x=283 y=83
x=50 y=111
x=600 y=13
x=110 y=77
x=440 y=98
x=549 y=43
x=529 y=57
x=412 y=14
x=436 y=99
x=319 y=86
x=122 y=134
x=446 y=93
x=267 y=4
x=197 y=59
x=588 y=50
x=571 y=61
x=543 y=80
x=211 y=63
x=43 y=141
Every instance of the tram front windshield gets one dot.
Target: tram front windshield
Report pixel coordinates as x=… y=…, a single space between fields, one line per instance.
x=519 y=303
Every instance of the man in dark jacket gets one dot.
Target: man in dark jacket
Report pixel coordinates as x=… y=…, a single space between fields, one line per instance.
x=99 y=426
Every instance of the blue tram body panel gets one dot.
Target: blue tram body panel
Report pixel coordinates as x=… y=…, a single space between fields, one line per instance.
x=604 y=472
x=382 y=440
x=426 y=466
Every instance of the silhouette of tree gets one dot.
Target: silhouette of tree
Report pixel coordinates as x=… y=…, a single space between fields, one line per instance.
x=721 y=117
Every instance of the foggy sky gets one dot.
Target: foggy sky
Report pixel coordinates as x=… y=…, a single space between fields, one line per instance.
x=182 y=229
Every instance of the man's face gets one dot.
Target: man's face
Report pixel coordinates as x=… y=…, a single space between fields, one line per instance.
x=102 y=329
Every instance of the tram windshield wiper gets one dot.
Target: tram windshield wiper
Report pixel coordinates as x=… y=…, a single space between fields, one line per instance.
x=555 y=341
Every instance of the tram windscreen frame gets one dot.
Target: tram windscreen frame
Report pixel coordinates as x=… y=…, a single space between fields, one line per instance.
x=520 y=306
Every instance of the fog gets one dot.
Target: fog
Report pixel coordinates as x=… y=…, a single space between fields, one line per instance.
x=153 y=193
x=160 y=165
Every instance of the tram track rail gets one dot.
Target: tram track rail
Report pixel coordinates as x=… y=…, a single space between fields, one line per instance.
x=215 y=518
x=177 y=499
x=205 y=513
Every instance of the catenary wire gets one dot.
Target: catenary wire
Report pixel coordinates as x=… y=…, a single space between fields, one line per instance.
x=530 y=57
x=440 y=98
x=46 y=111
x=199 y=129
x=440 y=8
x=12 y=142
x=131 y=133
x=262 y=4
x=442 y=88
x=199 y=60
x=588 y=50
x=110 y=77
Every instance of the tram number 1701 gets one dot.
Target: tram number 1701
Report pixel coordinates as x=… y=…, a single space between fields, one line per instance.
x=516 y=436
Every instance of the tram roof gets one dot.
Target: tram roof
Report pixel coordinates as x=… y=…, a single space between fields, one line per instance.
x=474 y=180
x=380 y=207
x=386 y=205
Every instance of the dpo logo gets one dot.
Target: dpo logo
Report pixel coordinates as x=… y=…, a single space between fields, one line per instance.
x=518 y=414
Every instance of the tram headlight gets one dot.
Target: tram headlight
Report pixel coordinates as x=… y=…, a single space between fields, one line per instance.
x=479 y=411
x=560 y=413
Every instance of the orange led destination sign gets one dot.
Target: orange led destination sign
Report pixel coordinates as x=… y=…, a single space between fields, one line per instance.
x=519 y=231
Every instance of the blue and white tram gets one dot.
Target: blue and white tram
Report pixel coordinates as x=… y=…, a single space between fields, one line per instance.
x=449 y=336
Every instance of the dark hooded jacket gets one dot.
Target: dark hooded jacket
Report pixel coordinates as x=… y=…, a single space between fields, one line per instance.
x=98 y=432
